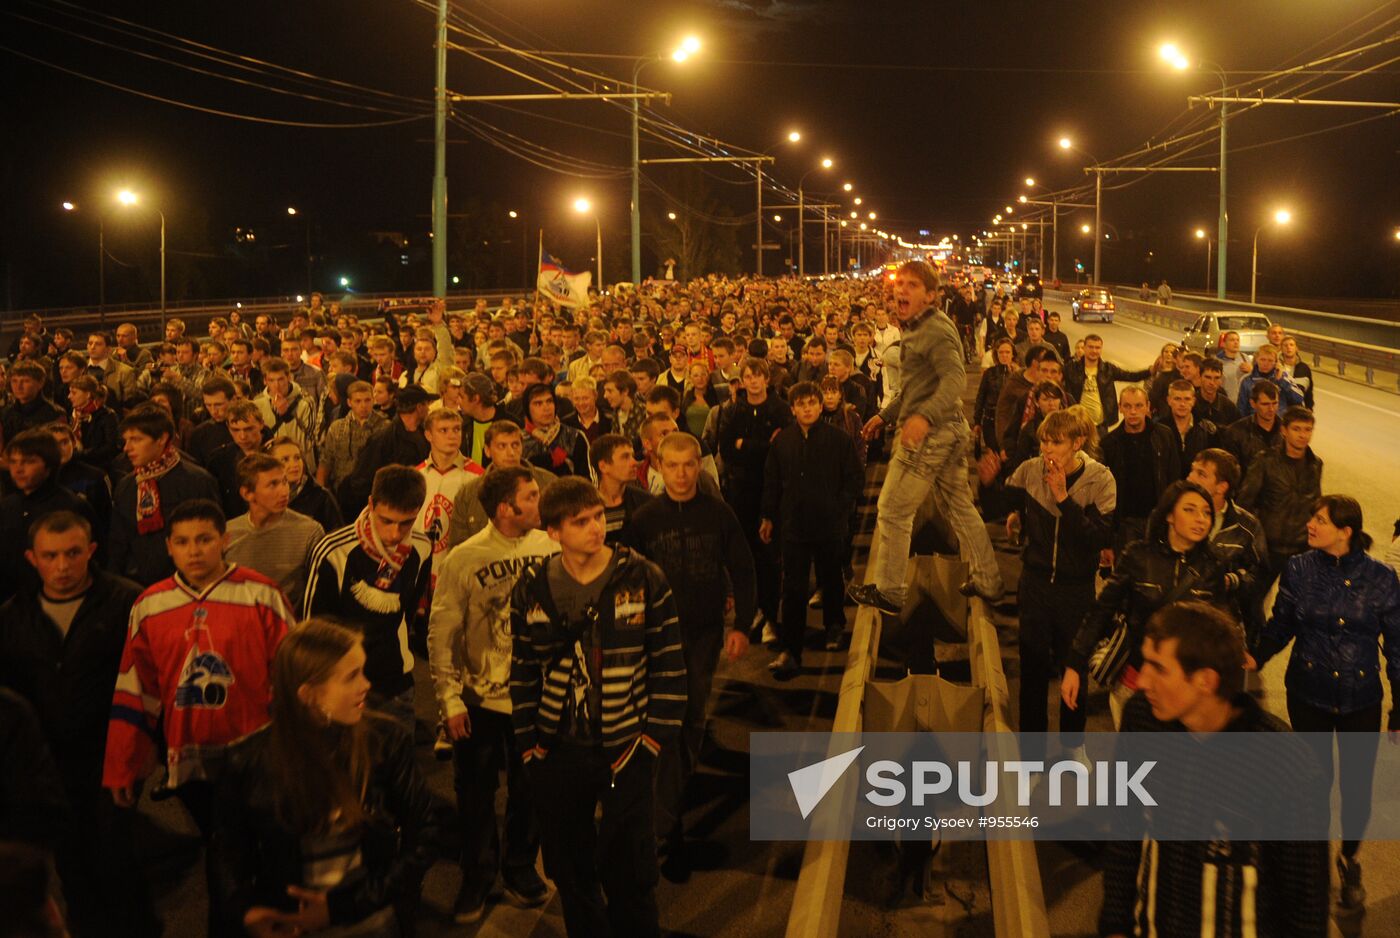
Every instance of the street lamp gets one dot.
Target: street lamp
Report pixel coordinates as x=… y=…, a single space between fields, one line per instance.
x=794 y=136
x=1173 y=56
x=1067 y=144
x=688 y=47
x=1030 y=182
x=585 y=207
x=847 y=187
x=801 y=216
x=69 y=206
x=857 y=200
x=1281 y=217
x=127 y=198
x=1201 y=235
x=306 y=222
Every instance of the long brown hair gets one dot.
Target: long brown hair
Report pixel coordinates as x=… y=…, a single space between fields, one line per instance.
x=321 y=772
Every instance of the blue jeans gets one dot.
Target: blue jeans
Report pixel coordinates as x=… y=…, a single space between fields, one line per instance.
x=938 y=465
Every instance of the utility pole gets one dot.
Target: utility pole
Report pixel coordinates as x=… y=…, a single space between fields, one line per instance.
x=440 y=157
x=1098 y=171
x=757 y=162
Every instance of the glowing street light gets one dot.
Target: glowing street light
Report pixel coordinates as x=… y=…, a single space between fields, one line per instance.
x=514 y=214
x=1021 y=199
x=69 y=206
x=857 y=200
x=794 y=136
x=1030 y=181
x=777 y=218
x=689 y=46
x=1173 y=56
x=1282 y=217
x=128 y=198
x=291 y=210
x=1010 y=210
x=1084 y=229
x=826 y=162
x=585 y=207
x=345 y=281
x=872 y=216
x=1065 y=143
x=671 y=215
x=847 y=187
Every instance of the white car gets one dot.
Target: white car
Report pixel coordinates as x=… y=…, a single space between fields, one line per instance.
x=1204 y=334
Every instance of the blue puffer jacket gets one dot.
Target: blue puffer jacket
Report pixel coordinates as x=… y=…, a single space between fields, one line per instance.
x=1339 y=610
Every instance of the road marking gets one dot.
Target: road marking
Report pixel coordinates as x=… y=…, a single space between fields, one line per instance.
x=1389 y=412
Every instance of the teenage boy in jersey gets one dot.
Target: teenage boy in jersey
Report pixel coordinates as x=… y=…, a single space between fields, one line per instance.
x=144 y=498
x=931 y=450
x=370 y=575
x=597 y=689
x=445 y=471
x=195 y=671
x=469 y=656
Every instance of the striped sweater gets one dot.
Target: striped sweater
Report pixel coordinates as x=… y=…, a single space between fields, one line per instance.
x=640 y=668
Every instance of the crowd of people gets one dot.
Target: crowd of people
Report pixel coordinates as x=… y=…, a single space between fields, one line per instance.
x=227 y=555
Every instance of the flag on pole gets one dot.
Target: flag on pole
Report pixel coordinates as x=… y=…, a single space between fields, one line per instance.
x=560 y=284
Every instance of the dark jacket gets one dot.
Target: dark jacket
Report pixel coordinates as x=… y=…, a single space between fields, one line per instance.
x=1242 y=544
x=390 y=445
x=100 y=440
x=1245 y=440
x=698 y=544
x=17 y=512
x=811 y=483
x=143 y=557
x=1337 y=611
x=1011 y=403
x=984 y=409
x=206 y=439
x=17 y=417
x=565 y=455
x=33 y=809
x=1060 y=343
x=69 y=679
x=643 y=700
x=1220 y=412
x=1200 y=435
x=1063 y=539
x=1107 y=375
x=1289 y=878
x=742 y=463
x=1147 y=573
x=1166 y=460
x=315 y=501
x=256 y=857
x=1282 y=492
x=93 y=486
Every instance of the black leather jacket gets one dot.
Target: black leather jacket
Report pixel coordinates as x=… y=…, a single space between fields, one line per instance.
x=1147 y=573
x=1107 y=375
x=256 y=857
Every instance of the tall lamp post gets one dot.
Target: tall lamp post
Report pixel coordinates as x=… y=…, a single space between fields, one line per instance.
x=71 y=207
x=688 y=47
x=1067 y=144
x=1281 y=217
x=1174 y=57
x=801 y=216
x=1202 y=235
x=128 y=198
x=585 y=207
x=306 y=223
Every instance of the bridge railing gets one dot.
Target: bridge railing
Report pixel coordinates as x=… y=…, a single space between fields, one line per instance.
x=1374 y=365
x=1017 y=896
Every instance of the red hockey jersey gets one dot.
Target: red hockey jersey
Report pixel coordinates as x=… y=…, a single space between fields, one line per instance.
x=196 y=667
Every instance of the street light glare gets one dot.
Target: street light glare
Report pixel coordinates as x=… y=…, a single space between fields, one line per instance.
x=514 y=214
x=69 y=206
x=1283 y=216
x=671 y=215
x=583 y=206
x=794 y=137
x=863 y=226
x=1200 y=232
x=1022 y=200
x=680 y=55
x=858 y=200
x=1084 y=228
x=826 y=163
x=848 y=187
x=872 y=216
x=691 y=44
x=126 y=197
x=345 y=281
x=777 y=218
x=1030 y=180
x=1065 y=143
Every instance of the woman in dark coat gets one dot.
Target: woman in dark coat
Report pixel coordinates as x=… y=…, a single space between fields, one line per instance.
x=1338 y=606
x=322 y=818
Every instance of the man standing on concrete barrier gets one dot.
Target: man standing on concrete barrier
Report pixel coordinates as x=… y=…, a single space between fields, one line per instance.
x=931 y=452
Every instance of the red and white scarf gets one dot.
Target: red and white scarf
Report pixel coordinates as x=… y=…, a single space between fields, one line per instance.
x=83 y=416
x=149 y=519
x=390 y=561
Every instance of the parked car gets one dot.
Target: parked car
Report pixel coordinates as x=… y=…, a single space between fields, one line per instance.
x=1204 y=334
x=1093 y=303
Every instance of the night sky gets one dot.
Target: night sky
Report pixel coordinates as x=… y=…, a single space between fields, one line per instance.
x=935 y=111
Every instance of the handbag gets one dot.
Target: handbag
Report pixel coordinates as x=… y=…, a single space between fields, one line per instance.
x=1111 y=653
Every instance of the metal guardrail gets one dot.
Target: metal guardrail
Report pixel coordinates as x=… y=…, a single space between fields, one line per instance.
x=1364 y=330
x=1017 y=896
x=1377 y=365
